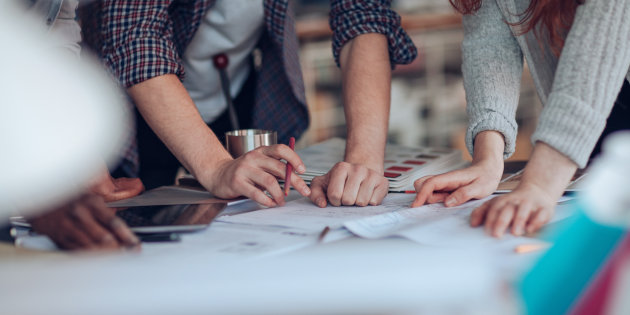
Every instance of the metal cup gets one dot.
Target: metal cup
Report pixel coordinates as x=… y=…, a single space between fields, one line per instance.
x=239 y=142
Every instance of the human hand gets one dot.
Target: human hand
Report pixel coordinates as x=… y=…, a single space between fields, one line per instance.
x=526 y=209
x=349 y=184
x=254 y=173
x=85 y=223
x=456 y=187
x=113 y=189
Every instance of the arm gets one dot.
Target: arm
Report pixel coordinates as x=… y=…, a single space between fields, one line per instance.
x=492 y=69
x=591 y=69
x=363 y=33
x=593 y=64
x=141 y=50
x=170 y=112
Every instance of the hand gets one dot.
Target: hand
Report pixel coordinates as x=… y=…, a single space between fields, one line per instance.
x=113 y=189
x=456 y=187
x=254 y=173
x=526 y=209
x=85 y=223
x=349 y=184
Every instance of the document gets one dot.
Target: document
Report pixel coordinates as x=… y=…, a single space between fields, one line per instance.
x=303 y=214
x=434 y=225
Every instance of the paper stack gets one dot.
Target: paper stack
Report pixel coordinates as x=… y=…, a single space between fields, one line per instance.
x=403 y=165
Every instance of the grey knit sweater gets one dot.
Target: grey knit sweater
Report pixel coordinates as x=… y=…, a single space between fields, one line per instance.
x=577 y=90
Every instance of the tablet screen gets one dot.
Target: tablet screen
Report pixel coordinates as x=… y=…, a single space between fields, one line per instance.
x=172 y=218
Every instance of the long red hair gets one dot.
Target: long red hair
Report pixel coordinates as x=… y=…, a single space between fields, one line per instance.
x=554 y=16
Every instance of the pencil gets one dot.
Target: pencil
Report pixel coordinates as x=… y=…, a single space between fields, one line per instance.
x=403 y=191
x=287 y=179
x=323 y=234
x=528 y=248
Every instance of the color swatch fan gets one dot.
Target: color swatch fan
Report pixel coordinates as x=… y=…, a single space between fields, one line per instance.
x=403 y=165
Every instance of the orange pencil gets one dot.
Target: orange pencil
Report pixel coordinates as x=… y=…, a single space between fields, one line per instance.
x=528 y=248
x=287 y=179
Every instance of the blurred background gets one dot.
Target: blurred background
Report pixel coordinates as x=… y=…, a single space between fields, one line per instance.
x=428 y=99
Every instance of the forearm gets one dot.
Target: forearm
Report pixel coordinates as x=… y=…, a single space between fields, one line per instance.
x=366 y=71
x=170 y=112
x=548 y=169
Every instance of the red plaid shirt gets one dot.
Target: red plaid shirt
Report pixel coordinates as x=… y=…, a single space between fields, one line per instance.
x=142 y=39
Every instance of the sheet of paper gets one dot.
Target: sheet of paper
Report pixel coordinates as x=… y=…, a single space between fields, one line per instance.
x=225 y=241
x=304 y=214
x=434 y=225
x=169 y=195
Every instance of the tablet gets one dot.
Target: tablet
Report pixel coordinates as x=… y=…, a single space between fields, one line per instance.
x=170 y=218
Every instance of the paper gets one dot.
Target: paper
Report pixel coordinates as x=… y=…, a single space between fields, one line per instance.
x=169 y=195
x=305 y=215
x=434 y=225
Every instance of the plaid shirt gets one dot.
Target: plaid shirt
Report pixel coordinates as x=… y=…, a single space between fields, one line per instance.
x=142 y=39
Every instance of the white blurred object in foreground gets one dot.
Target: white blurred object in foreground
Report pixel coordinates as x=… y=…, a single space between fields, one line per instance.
x=607 y=186
x=60 y=118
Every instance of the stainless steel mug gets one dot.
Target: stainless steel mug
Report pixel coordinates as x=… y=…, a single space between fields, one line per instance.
x=239 y=142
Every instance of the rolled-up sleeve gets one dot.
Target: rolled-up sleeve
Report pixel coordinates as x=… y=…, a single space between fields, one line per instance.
x=138 y=40
x=351 y=18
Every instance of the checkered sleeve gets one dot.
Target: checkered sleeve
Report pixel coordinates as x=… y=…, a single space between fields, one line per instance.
x=138 y=40
x=351 y=18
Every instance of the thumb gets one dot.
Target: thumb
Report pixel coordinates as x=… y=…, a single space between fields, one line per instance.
x=461 y=195
x=318 y=186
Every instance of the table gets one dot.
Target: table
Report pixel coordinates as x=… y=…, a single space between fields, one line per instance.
x=352 y=276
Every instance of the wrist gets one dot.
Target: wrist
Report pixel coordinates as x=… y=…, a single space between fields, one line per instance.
x=373 y=163
x=549 y=170
x=208 y=173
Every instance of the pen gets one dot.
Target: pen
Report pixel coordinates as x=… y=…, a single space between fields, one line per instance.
x=323 y=234
x=287 y=179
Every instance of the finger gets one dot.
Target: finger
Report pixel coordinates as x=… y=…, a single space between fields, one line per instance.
x=463 y=194
x=268 y=183
x=352 y=186
x=437 y=197
x=493 y=213
x=252 y=192
x=73 y=236
x=278 y=169
x=318 y=186
x=298 y=183
x=367 y=190
x=380 y=192
x=116 y=226
x=424 y=188
x=503 y=220
x=445 y=182
x=478 y=216
x=84 y=219
x=283 y=152
x=337 y=180
x=126 y=188
x=523 y=212
x=123 y=233
x=66 y=242
x=541 y=217
x=420 y=181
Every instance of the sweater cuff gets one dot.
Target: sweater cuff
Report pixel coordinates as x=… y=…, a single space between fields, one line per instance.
x=571 y=127
x=494 y=121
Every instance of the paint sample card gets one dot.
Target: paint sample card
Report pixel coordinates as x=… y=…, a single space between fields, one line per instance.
x=403 y=165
